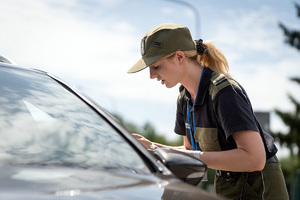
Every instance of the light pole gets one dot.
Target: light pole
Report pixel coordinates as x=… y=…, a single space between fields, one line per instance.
x=195 y=11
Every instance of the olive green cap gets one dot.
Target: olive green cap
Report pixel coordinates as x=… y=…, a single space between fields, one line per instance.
x=160 y=41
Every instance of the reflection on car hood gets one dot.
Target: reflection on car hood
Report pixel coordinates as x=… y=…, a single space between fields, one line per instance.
x=69 y=183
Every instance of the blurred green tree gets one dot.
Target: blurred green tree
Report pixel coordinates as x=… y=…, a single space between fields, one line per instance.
x=292 y=120
x=148 y=131
x=291 y=139
x=292 y=37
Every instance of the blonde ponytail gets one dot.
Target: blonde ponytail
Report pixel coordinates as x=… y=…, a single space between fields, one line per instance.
x=213 y=58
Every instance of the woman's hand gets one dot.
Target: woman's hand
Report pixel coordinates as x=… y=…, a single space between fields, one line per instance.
x=147 y=143
x=152 y=145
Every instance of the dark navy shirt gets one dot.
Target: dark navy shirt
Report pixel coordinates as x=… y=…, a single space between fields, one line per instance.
x=219 y=112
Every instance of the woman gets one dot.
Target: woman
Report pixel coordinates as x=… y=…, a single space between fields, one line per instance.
x=214 y=114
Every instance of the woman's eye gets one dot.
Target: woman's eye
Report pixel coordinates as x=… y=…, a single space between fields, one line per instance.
x=156 y=67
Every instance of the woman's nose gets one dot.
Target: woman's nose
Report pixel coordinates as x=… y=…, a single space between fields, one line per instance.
x=152 y=73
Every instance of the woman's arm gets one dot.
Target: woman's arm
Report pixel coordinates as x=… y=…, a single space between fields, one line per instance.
x=148 y=144
x=248 y=156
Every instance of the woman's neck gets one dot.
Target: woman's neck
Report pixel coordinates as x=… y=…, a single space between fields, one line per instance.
x=192 y=79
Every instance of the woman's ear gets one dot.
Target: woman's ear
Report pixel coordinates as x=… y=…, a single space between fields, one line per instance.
x=180 y=56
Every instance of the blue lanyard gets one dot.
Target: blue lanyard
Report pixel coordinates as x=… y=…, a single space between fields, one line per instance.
x=194 y=145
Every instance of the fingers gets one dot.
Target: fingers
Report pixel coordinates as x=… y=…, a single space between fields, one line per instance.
x=147 y=143
x=137 y=136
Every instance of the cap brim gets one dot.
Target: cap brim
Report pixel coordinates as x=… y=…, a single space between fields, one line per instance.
x=143 y=63
x=138 y=66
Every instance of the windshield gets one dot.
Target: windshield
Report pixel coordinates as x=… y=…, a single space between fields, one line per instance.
x=43 y=123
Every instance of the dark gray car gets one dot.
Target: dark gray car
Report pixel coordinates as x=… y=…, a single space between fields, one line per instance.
x=55 y=143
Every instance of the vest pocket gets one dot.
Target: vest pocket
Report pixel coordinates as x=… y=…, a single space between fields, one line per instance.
x=207 y=139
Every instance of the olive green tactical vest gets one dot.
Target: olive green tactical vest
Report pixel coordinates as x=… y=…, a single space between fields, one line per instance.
x=207 y=138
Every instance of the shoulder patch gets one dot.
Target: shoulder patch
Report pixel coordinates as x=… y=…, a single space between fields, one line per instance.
x=181 y=92
x=218 y=82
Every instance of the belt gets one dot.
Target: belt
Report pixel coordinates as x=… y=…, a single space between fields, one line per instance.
x=230 y=175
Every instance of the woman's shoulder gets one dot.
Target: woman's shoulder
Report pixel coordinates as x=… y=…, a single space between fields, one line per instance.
x=182 y=92
x=219 y=82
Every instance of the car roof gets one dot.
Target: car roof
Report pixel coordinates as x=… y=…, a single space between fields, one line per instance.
x=4 y=59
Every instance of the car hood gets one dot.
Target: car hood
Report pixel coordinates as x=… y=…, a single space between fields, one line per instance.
x=68 y=183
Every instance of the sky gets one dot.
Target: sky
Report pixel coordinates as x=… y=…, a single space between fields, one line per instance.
x=92 y=43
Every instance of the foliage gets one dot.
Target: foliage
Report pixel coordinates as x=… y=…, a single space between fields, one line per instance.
x=291 y=139
x=292 y=37
x=149 y=132
x=289 y=166
x=292 y=120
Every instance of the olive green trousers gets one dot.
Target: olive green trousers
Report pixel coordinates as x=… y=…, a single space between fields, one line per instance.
x=268 y=184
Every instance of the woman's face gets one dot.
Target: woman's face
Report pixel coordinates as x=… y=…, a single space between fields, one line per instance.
x=167 y=70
